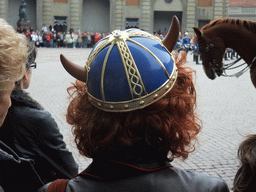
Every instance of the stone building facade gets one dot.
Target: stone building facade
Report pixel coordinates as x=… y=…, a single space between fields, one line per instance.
x=107 y=15
x=245 y=9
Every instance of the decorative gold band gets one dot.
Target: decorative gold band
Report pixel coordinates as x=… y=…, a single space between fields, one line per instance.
x=138 y=103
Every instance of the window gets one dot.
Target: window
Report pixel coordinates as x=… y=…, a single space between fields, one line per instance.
x=132 y=23
x=204 y=3
x=132 y=2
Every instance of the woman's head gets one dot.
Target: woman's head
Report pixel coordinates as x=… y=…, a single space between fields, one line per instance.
x=169 y=125
x=30 y=63
x=136 y=92
x=13 y=55
x=245 y=179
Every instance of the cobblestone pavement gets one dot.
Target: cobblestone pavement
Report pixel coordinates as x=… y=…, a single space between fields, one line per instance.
x=226 y=107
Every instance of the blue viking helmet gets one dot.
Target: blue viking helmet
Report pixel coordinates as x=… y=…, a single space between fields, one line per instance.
x=128 y=70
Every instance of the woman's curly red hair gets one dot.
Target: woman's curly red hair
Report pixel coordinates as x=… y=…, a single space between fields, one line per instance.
x=170 y=125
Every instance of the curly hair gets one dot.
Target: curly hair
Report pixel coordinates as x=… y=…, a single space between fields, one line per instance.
x=169 y=125
x=13 y=55
x=245 y=178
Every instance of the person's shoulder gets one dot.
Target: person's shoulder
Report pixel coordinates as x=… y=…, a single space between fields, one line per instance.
x=201 y=181
x=36 y=119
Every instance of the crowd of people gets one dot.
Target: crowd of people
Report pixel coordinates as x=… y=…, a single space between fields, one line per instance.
x=49 y=37
x=131 y=130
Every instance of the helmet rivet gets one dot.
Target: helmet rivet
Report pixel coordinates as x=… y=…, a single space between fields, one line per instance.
x=99 y=104
x=167 y=87
x=126 y=106
x=155 y=96
x=111 y=107
x=142 y=103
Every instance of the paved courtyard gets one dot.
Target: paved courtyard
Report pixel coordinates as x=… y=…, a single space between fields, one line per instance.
x=226 y=106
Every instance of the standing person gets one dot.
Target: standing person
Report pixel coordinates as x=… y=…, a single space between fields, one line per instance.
x=51 y=27
x=80 y=40
x=96 y=37
x=195 y=49
x=54 y=35
x=75 y=38
x=62 y=40
x=186 y=42
x=16 y=174
x=44 y=29
x=89 y=40
x=134 y=115
x=33 y=134
x=84 y=38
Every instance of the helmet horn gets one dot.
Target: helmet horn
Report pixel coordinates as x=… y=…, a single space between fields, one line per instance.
x=75 y=70
x=173 y=34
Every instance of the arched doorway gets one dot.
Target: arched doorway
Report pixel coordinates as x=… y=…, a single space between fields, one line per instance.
x=164 y=10
x=96 y=15
x=13 y=14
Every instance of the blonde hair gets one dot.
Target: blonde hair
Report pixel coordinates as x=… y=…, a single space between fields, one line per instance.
x=13 y=55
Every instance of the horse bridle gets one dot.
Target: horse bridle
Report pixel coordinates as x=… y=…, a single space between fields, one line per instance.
x=229 y=66
x=212 y=62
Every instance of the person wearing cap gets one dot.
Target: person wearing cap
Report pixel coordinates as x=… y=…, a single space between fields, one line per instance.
x=33 y=133
x=133 y=112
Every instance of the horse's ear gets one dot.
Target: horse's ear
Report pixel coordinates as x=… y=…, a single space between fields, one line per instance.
x=198 y=32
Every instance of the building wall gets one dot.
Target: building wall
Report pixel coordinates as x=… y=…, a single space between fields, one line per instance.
x=242 y=12
x=95 y=15
x=113 y=14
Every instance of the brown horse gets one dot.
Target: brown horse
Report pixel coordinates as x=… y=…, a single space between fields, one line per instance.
x=215 y=37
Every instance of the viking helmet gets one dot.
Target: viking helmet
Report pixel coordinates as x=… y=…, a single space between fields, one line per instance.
x=128 y=70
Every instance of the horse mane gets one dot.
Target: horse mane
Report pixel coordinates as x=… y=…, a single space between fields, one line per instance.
x=247 y=24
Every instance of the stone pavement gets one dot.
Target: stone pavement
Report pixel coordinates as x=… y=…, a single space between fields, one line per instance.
x=226 y=107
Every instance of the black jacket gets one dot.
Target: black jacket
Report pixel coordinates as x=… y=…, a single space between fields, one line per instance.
x=33 y=134
x=140 y=173
x=16 y=173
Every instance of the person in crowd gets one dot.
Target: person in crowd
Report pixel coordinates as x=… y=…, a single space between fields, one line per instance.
x=97 y=37
x=35 y=39
x=186 y=42
x=32 y=132
x=54 y=38
x=16 y=174
x=89 y=39
x=195 y=49
x=79 y=40
x=75 y=38
x=51 y=27
x=71 y=30
x=69 y=40
x=134 y=115
x=40 y=39
x=245 y=178
x=48 y=39
x=84 y=39
x=51 y=39
x=44 y=29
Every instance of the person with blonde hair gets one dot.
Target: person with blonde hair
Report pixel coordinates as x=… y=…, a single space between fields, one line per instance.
x=16 y=173
x=13 y=55
x=32 y=132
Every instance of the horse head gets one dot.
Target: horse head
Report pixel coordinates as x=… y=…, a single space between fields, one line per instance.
x=212 y=50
